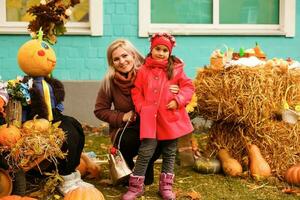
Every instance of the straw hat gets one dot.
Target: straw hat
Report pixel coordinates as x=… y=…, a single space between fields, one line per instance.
x=5 y=183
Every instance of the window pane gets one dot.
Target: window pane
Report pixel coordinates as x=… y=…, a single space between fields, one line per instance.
x=181 y=11
x=16 y=10
x=249 y=11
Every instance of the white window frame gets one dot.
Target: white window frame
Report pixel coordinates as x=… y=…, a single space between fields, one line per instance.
x=286 y=26
x=94 y=27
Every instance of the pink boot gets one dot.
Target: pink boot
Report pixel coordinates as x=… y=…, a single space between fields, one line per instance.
x=165 y=186
x=135 y=189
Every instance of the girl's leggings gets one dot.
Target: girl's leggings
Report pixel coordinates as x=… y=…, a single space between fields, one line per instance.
x=146 y=151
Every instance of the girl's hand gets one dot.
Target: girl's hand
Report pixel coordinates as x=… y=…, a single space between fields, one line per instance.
x=172 y=105
x=174 y=89
x=129 y=116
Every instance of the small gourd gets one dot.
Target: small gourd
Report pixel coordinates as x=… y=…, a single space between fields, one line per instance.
x=230 y=165
x=207 y=165
x=36 y=124
x=259 y=168
x=292 y=175
x=259 y=53
x=84 y=193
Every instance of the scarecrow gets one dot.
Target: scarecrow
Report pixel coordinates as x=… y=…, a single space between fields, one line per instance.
x=37 y=59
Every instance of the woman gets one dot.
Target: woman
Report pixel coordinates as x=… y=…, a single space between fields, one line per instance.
x=114 y=104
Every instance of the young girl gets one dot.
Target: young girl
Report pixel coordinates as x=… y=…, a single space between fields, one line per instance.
x=162 y=113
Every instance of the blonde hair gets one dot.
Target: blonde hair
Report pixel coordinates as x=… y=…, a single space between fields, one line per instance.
x=127 y=46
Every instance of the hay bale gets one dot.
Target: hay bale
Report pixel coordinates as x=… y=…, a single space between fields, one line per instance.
x=245 y=95
x=245 y=105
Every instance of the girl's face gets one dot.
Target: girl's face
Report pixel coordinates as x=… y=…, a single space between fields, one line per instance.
x=160 y=52
x=122 y=60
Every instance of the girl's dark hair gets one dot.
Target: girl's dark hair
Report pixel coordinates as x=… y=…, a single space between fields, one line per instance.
x=170 y=67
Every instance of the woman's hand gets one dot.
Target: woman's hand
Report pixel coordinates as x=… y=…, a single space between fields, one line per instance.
x=172 y=105
x=174 y=89
x=129 y=116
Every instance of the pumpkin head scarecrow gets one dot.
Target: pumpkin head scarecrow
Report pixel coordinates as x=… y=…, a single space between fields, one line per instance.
x=37 y=59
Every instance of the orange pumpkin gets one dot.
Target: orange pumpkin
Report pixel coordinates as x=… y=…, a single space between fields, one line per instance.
x=92 y=168
x=36 y=58
x=16 y=197
x=2 y=104
x=84 y=193
x=36 y=124
x=292 y=175
x=82 y=167
x=9 y=134
x=5 y=183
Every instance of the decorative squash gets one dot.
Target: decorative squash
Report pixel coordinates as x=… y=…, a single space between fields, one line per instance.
x=259 y=168
x=36 y=124
x=207 y=165
x=259 y=53
x=230 y=165
x=84 y=193
x=9 y=134
x=292 y=175
x=36 y=58
x=82 y=167
x=16 y=197
x=5 y=183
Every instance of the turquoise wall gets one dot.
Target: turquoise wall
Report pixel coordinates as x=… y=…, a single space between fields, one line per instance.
x=83 y=57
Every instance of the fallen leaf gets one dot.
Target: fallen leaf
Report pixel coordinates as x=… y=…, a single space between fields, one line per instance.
x=291 y=191
x=194 y=195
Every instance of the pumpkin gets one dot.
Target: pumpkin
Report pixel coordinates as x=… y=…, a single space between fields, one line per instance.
x=36 y=124
x=36 y=58
x=259 y=168
x=292 y=175
x=9 y=134
x=84 y=193
x=207 y=165
x=92 y=168
x=2 y=104
x=5 y=183
x=16 y=197
x=230 y=165
x=82 y=167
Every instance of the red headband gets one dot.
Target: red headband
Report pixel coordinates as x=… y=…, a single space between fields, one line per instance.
x=163 y=39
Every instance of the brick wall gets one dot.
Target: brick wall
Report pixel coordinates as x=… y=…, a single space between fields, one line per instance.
x=84 y=57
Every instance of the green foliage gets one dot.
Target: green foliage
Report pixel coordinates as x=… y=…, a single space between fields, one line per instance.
x=18 y=91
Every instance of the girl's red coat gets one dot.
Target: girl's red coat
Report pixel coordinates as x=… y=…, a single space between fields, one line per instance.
x=151 y=95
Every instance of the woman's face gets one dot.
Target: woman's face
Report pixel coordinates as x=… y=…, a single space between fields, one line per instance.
x=122 y=60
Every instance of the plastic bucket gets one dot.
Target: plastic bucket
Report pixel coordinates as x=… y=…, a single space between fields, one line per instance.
x=290 y=116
